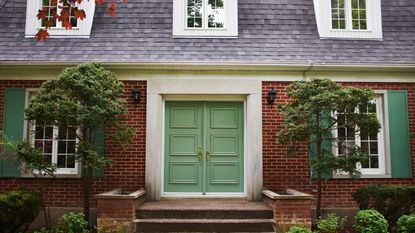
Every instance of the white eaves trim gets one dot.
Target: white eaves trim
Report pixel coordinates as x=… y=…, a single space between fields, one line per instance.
x=82 y=31
x=179 y=22
x=322 y=10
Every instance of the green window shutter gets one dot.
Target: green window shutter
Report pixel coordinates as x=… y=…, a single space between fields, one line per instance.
x=13 y=118
x=399 y=134
x=326 y=148
x=100 y=145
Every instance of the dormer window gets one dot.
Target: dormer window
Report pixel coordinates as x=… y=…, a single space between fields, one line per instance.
x=79 y=28
x=349 y=19
x=205 y=18
x=53 y=7
x=205 y=14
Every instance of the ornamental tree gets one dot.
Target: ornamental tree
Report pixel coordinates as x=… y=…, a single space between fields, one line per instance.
x=316 y=109
x=89 y=98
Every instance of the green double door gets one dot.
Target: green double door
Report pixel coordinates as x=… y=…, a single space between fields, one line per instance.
x=204 y=147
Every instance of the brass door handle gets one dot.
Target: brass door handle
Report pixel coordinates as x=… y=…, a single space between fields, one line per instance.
x=207 y=155
x=200 y=154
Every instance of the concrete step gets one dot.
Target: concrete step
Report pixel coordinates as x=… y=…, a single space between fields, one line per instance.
x=204 y=209
x=204 y=225
x=204 y=214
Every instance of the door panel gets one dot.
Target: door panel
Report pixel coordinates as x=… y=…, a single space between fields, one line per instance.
x=183 y=170
x=204 y=147
x=225 y=163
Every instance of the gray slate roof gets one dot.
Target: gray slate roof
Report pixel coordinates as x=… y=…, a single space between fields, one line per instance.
x=270 y=31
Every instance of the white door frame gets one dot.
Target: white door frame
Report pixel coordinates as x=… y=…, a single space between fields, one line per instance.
x=159 y=89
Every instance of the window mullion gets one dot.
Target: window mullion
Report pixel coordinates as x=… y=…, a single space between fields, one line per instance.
x=55 y=145
x=348 y=9
x=205 y=17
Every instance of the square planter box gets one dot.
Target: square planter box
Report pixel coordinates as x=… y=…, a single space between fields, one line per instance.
x=290 y=208
x=116 y=209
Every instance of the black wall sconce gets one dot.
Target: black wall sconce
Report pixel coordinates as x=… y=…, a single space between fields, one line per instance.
x=271 y=96
x=135 y=94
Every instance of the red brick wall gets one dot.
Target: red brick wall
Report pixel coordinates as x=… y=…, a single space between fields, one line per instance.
x=127 y=172
x=281 y=172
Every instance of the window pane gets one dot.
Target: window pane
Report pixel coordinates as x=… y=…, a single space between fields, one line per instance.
x=374 y=148
x=363 y=25
x=70 y=161
x=198 y=22
x=61 y=161
x=71 y=147
x=47 y=147
x=334 y=3
x=62 y=147
x=48 y=132
x=374 y=162
x=355 y=4
x=362 y=4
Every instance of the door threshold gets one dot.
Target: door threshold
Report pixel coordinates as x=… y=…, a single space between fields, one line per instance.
x=239 y=196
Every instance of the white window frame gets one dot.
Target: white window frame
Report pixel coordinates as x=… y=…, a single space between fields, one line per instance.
x=322 y=10
x=180 y=29
x=28 y=132
x=83 y=29
x=383 y=149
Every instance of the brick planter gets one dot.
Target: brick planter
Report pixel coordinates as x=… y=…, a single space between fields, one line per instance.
x=116 y=210
x=290 y=208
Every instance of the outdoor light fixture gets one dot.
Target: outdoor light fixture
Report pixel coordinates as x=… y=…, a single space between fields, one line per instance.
x=136 y=95
x=271 y=96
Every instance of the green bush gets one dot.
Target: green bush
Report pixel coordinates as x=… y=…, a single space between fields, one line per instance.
x=72 y=223
x=406 y=224
x=331 y=224
x=371 y=221
x=68 y=223
x=18 y=208
x=299 y=229
x=391 y=201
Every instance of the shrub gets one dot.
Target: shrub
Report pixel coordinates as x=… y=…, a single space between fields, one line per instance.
x=371 y=221
x=18 y=208
x=390 y=200
x=72 y=223
x=299 y=229
x=68 y=223
x=406 y=224
x=331 y=224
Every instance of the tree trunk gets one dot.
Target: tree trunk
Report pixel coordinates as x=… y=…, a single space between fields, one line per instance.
x=87 y=192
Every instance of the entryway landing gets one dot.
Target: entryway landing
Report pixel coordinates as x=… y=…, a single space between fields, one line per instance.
x=204 y=215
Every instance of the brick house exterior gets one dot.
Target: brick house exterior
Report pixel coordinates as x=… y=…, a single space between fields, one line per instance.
x=277 y=42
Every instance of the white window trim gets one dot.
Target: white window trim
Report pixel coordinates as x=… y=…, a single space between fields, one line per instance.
x=322 y=10
x=83 y=29
x=59 y=172
x=180 y=29
x=384 y=170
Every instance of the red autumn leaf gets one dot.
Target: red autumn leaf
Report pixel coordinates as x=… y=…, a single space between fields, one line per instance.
x=42 y=35
x=53 y=2
x=111 y=9
x=66 y=24
x=99 y=2
x=42 y=14
x=65 y=14
x=79 y=14
x=79 y=1
x=48 y=24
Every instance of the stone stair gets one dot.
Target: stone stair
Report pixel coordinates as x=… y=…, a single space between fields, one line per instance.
x=204 y=215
